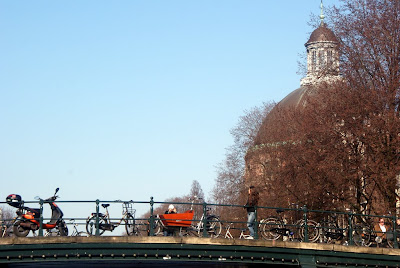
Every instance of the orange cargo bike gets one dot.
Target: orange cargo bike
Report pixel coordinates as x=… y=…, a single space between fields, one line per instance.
x=184 y=224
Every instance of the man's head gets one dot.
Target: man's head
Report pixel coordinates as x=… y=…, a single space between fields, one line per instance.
x=381 y=221
x=251 y=188
x=171 y=207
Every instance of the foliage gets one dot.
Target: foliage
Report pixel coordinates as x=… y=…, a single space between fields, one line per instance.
x=6 y=213
x=6 y=218
x=342 y=148
x=195 y=191
x=229 y=183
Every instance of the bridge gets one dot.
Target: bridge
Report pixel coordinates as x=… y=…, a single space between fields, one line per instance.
x=136 y=251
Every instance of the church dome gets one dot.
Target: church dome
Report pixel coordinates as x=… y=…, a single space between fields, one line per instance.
x=322 y=66
x=295 y=100
x=266 y=160
x=322 y=34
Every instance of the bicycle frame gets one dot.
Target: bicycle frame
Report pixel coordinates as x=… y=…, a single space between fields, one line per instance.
x=5 y=229
x=228 y=231
x=200 y=223
x=229 y=235
x=118 y=223
x=75 y=231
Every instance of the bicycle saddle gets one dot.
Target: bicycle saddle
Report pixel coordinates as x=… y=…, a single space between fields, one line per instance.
x=279 y=211
x=105 y=205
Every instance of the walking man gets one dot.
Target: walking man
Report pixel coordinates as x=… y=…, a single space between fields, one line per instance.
x=252 y=202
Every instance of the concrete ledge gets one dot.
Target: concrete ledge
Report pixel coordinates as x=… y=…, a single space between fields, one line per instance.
x=197 y=241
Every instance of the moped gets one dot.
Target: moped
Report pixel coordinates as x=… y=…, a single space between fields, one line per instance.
x=28 y=219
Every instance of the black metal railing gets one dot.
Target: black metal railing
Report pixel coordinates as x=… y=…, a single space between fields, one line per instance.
x=295 y=223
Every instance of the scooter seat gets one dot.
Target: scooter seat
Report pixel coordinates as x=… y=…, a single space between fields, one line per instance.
x=105 y=205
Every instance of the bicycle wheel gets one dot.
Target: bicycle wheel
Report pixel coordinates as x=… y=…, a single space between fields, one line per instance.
x=158 y=228
x=91 y=225
x=362 y=235
x=390 y=240
x=214 y=226
x=130 y=226
x=312 y=230
x=62 y=228
x=269 y=228
x=20 y=231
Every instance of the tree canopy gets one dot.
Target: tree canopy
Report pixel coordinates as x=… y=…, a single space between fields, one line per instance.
x=342 y=148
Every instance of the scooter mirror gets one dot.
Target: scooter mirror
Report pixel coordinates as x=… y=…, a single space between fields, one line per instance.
x=56 y=191
x=37 y=198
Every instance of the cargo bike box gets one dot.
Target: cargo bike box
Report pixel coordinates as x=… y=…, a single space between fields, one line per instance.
x=177 y=219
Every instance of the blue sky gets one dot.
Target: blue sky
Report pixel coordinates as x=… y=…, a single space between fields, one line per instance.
x=131 y=99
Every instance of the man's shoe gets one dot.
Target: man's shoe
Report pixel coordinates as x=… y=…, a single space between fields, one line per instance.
x=250 y=237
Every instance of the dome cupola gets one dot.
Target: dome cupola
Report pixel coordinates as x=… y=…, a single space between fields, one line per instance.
x=322 y=54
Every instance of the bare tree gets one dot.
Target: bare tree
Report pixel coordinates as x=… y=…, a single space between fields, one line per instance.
x=181 y=203
x=6 y=213
x=196 y=190
x=369 y=31
x=342 y=148
x=229 y=183
x=6 y=219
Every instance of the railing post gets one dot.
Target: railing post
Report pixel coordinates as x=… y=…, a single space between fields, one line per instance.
x=395 y=244
x=205 y=229
x=151 y=233
x=350 y=231
x=305 y=223
x=97 y=217
x=255 y=224
x=41 y=218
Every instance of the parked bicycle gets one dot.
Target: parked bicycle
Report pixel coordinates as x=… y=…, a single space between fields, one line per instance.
x=362 y=234
x=213 y=225
x=330 y=230
x=275 y=227
x=105 y=224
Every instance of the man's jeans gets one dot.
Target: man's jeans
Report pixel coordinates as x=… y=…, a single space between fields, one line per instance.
x=251 y=217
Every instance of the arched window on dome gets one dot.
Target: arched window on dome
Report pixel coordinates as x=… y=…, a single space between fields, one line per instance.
x=329 y=58
x=321 y=59
x=314 y=60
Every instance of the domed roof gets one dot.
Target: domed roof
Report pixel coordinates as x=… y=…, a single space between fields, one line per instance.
x=322 y=34
x=295 y=100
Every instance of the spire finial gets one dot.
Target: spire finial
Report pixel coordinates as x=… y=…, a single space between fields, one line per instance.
x=322 y=13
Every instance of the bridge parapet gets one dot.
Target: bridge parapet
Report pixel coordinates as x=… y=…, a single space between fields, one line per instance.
x=190 y=249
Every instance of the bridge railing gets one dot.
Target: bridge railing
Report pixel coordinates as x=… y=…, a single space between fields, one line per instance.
x=296 y=223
